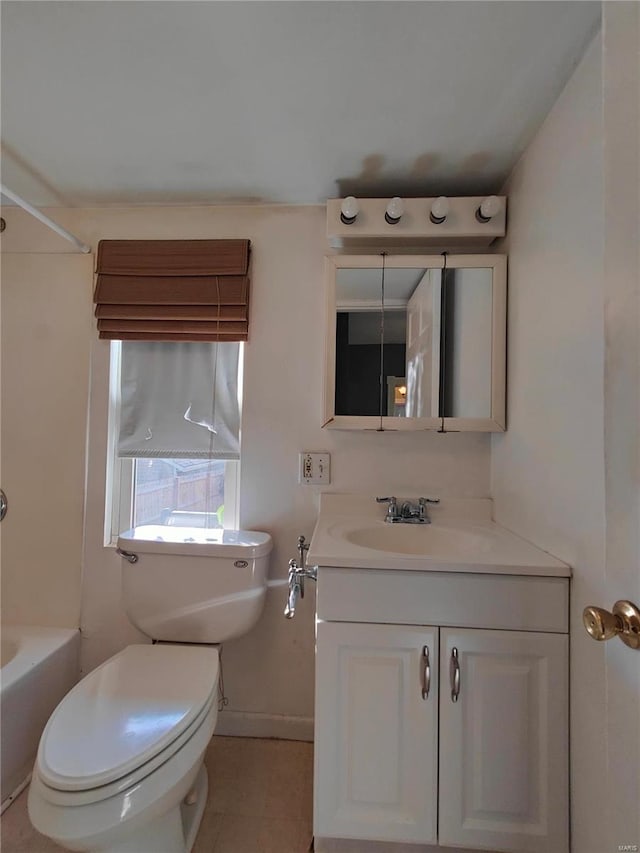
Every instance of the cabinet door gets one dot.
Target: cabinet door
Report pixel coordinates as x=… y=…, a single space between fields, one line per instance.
x=503 y=743
x=376 y=736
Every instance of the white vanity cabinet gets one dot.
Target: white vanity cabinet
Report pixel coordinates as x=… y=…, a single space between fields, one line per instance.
x=442 y=710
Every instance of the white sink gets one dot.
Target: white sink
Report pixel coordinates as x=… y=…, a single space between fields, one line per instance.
x=419 y=539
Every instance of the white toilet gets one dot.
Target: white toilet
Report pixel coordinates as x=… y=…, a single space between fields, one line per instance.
x=120 y=762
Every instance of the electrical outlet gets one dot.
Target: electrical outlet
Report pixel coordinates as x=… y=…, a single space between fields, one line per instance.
x=315 y=468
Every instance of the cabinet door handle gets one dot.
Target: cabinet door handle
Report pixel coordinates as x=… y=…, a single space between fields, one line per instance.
x=426 y=672
x=454 y=675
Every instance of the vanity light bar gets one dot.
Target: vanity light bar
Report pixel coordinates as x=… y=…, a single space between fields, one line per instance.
x=474 y=221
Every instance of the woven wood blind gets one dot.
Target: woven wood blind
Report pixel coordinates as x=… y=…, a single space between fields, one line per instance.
x=173 y=290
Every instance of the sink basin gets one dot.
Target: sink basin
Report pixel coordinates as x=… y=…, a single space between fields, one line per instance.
x=418 y=539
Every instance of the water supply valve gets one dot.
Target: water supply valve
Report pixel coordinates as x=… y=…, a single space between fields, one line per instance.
x=297 y=574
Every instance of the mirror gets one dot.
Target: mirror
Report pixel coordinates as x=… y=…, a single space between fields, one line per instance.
x=423 y=349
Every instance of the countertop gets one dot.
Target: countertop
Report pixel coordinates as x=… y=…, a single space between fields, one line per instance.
x=477 y=544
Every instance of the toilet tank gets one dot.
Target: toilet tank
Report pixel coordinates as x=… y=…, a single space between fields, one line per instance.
x=193 y=584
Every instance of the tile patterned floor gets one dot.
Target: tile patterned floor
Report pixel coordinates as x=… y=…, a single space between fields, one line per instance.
x=260 y=801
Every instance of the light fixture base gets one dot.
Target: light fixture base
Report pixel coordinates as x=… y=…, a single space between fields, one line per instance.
x=415 y=227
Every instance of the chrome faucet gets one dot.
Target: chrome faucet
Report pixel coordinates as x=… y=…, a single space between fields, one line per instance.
x=409 y=513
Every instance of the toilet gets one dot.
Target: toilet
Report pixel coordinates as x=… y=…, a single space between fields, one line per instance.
x=120 y=765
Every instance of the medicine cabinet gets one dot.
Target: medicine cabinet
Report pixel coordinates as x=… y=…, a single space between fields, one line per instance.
x=416 y=342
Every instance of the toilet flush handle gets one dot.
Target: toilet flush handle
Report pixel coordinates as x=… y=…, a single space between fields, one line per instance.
x=127 y=555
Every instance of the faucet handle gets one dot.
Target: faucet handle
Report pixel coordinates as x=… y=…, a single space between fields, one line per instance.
x=422 y=503
x=392 y=512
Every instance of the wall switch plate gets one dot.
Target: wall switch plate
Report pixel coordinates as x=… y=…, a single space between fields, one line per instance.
x=315 y=468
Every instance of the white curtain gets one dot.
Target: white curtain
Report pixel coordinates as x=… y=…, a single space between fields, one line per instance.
x=179 y=400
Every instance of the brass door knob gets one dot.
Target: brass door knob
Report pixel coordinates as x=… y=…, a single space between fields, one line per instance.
x=600 y=624
x=623 y=622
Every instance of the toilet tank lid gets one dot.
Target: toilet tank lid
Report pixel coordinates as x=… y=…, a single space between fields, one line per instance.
x=196 y=541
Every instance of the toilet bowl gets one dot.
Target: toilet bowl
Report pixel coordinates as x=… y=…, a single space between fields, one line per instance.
x=120 y=763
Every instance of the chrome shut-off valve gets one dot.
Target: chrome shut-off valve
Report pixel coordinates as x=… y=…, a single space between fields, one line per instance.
x=298 y=571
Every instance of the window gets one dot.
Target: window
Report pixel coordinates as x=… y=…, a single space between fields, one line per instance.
x=174 y=428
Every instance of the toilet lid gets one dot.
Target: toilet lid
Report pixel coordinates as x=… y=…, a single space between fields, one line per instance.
x=124 y=713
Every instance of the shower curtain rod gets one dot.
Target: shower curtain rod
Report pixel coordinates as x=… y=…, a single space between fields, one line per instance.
x=45 y=219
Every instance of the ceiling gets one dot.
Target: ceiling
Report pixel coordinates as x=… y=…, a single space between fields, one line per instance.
x=287 y=102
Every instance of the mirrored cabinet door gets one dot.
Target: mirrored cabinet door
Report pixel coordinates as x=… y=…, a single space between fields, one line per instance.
x=416 y=343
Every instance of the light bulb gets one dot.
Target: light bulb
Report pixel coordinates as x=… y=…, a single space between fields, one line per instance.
x=349 y=209
x=439 y=210
x=489 y=207
x=394 y=211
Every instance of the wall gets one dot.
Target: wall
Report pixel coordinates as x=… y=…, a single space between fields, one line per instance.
x=268 y=673
x=548 y=468
x=46 y=334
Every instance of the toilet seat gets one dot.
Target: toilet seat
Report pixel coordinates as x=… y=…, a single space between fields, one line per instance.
x=78 y=823
x=125 y=783
x=125 y=719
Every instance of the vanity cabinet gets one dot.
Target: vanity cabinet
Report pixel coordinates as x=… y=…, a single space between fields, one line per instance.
x=439 y=734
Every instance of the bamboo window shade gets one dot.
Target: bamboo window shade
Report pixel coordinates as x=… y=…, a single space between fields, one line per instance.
x=173 y=290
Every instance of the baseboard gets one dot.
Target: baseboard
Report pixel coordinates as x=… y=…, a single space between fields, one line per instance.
x=15 y=794
x=348 y=845
x=244 y=724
